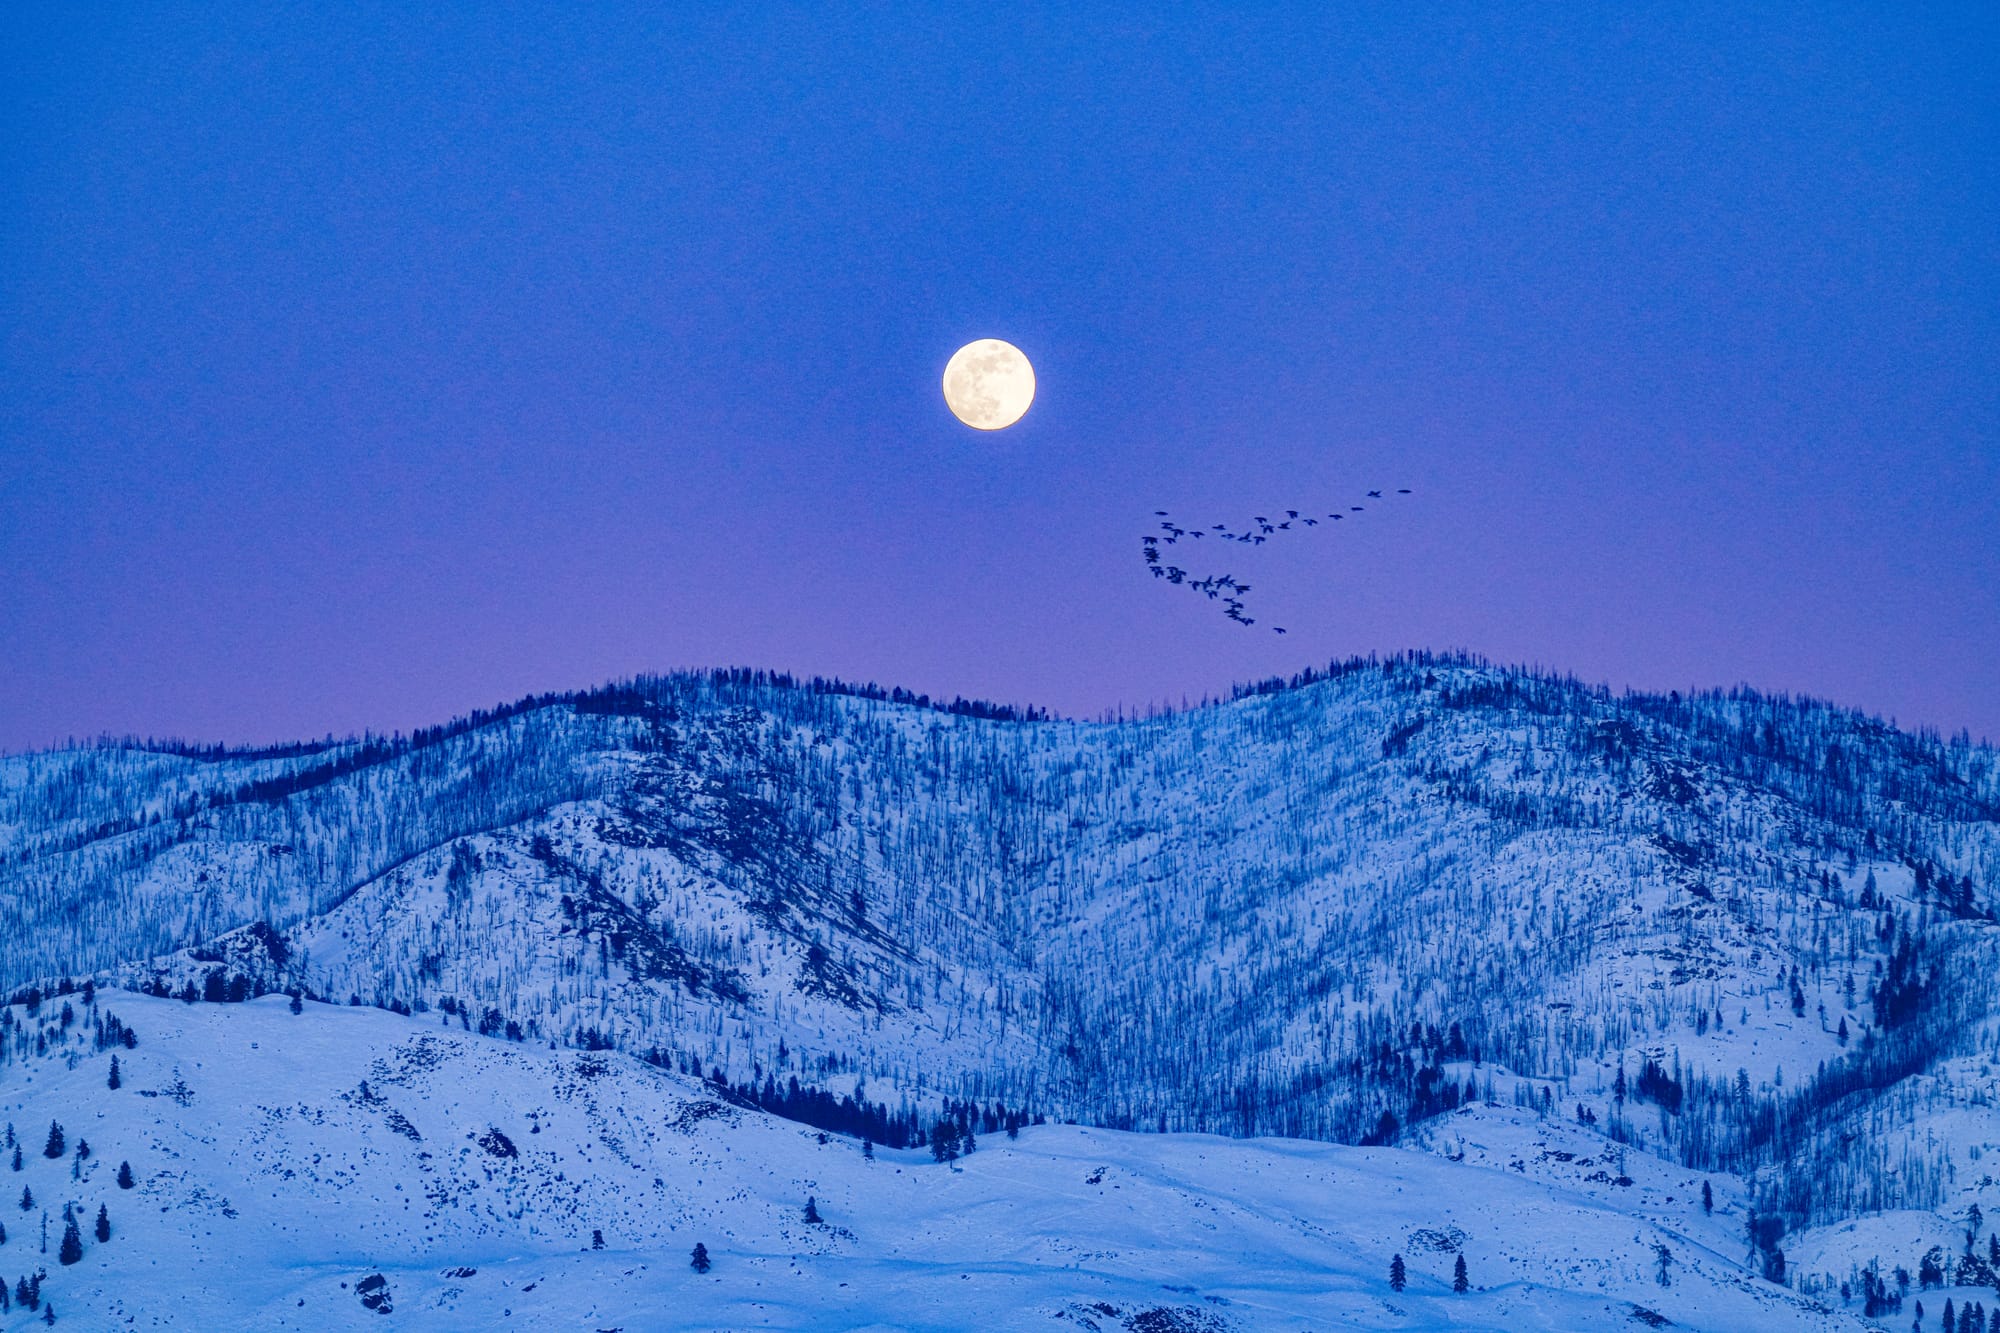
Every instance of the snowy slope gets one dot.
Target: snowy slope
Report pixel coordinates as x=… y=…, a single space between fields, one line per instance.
x=282 y=1160
x=1315 y=911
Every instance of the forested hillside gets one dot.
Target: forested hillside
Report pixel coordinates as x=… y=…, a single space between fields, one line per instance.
x=1750 y=933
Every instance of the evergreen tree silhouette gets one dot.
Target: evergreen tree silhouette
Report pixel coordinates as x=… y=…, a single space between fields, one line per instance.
x=124 y=1175
x=812 y=1211
x=1398 y=1276
x=1707 y=1198
x=700 y=1261
x=1459 y=1281
x=72 y=1244
x=113 y=1081
x=944 y=1141
x=103 y=1224
x=55 y=1147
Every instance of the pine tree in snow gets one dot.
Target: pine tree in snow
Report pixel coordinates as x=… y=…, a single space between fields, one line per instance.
x=700 y=1260
x=72 y=1244
x=1398 y=1275
x=944 y=1141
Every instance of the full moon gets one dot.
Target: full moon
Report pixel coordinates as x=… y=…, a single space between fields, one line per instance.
x=988 y=384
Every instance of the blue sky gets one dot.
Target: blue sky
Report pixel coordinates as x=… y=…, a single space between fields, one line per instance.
x=360 y=368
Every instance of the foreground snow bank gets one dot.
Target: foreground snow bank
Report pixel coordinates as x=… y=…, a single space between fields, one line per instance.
x=319 y=1171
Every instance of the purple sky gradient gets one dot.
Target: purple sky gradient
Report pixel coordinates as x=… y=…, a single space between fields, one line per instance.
x=357 y=370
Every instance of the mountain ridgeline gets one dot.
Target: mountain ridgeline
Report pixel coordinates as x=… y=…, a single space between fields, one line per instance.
x=1746 y=932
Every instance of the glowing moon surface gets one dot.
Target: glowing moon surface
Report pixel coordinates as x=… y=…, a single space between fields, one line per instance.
x=988 y=384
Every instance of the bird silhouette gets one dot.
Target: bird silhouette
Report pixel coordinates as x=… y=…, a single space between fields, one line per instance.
x=1224 y=587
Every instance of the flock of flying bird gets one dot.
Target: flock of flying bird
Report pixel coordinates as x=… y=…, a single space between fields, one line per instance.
x=1226 y=588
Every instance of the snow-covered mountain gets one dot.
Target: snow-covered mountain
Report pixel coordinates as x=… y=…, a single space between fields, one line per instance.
x=1333 y=908
x=317 y=1171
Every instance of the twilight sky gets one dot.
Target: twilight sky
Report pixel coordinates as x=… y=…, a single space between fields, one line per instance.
x=357 y=369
